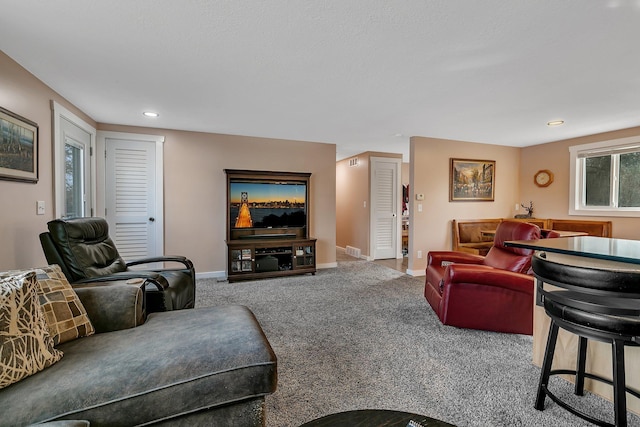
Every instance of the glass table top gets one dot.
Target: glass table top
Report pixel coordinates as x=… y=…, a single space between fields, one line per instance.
x=620 y=250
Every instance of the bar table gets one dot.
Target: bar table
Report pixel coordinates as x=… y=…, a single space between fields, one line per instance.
x=592 y=251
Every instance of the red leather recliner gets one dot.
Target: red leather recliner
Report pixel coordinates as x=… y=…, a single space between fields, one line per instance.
x=491 y=293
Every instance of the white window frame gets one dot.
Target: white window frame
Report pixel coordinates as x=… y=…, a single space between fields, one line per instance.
x=58 y=161
x=82 y=175
x=577 y=184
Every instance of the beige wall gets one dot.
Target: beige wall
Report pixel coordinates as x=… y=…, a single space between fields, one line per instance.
x=553 y=201
x=194 y=182
x=195 y=188
x=515 y=168
x=353 y=191
x=23 y=94
x=429 y=174
x=405 y=173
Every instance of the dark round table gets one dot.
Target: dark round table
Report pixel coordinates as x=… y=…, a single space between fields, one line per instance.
x=375 y=418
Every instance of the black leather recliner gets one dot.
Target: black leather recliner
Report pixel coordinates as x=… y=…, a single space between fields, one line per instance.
x=86 y=254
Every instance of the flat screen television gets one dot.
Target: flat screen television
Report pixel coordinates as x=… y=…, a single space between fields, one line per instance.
x=267 y=207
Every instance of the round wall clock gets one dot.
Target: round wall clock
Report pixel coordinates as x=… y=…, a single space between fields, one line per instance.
x=543 y=178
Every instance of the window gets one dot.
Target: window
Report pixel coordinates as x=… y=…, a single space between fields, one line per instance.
x=73 y=165
x=605 y=178
x=74 y=179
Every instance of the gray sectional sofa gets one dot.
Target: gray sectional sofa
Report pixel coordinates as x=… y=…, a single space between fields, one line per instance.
x=205 y=366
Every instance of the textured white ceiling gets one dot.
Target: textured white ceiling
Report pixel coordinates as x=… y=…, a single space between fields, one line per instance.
x=353 y=73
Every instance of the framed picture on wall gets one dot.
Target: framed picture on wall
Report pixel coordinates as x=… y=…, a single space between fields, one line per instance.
x=18 y=147
x=472 y=180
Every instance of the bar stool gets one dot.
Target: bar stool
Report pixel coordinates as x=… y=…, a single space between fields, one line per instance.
x=598 y=302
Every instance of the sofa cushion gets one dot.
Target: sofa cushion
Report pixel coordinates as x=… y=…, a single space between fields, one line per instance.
x=25 y=345
x=63 y=311
x=178 y=362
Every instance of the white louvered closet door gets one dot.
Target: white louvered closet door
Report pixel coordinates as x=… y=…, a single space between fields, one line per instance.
x=130 y=196
x=384 y=207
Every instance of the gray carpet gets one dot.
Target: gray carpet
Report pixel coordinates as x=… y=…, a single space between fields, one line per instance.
x=363 y=336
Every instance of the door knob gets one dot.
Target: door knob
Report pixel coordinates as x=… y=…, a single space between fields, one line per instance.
x=152 y=219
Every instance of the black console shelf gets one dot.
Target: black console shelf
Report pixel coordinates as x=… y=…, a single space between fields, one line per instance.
x=249 y=260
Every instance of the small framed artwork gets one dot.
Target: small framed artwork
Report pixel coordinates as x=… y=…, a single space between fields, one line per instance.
x=472 y=180
x=18 y=147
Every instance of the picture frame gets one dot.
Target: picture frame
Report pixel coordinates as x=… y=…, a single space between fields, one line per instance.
x=18 y=147
x=472 y=180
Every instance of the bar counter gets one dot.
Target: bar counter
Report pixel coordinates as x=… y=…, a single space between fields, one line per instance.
x=592 y=251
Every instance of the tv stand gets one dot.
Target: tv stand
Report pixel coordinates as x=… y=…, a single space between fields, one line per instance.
x=251 y=259
x=268 y=225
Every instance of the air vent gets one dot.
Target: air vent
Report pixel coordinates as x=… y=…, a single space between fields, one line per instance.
x=355 y=252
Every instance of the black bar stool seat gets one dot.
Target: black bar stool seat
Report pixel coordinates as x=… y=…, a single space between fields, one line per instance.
x=597 y=303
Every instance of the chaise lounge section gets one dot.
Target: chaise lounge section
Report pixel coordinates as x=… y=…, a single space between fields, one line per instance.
x=205 y=366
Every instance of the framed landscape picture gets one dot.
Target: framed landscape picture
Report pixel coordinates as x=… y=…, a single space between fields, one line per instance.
x=18 y=147
x=472 y=180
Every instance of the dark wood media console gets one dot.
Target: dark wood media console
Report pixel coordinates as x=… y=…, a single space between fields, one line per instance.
x=256 y=259
x=267 y=225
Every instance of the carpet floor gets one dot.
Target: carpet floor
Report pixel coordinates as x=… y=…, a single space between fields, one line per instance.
x=362 y=336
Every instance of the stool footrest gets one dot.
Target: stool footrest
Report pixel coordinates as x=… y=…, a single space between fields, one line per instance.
x=574 y=410
x=593 y=377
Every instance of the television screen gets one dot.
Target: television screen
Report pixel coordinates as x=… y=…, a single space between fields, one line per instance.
x=267 y=204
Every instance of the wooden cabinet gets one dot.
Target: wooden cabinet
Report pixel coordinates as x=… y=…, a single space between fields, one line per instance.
x=270 y=258
x=268 y=224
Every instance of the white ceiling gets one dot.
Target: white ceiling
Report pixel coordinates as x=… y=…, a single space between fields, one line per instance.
x=355 y=73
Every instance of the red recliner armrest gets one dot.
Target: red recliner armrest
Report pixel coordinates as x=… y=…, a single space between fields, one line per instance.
x=437 y=257
x=488 y=276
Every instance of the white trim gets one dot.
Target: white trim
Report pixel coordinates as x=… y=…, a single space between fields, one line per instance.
x=58 y=148
x=416 y=273
x=326 y=265
x=222 y=274
x=212 y=275
x=576 y=173
x=364 y=257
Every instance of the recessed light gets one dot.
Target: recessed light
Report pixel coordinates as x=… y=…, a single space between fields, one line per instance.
x=555 y=123
x=150 y=114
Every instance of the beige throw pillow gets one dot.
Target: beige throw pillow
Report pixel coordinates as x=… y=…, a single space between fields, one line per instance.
x=25 y=344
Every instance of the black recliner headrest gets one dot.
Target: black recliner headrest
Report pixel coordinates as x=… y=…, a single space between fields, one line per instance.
x=85 y=247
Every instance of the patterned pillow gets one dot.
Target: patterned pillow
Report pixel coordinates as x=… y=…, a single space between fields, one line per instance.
x=64 y=313
x=25 y=344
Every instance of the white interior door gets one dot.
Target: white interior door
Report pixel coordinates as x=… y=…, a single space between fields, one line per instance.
x=133 y=194
x=385 y=208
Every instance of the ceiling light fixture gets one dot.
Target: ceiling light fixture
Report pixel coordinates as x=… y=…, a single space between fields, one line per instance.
x=555 y=123
x=150 y=114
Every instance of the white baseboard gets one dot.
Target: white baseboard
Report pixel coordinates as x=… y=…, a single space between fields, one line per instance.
x=222 y=275
x=212 y=275
x=416 y=273
x=364 y=257
x=327 y=265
